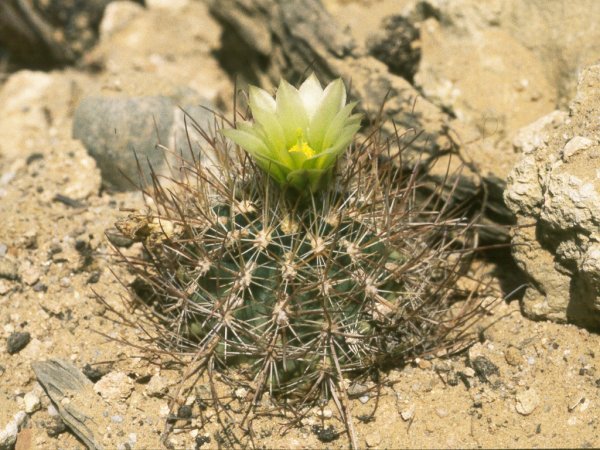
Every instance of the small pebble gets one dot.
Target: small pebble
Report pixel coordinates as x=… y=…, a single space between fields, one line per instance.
x=469 y=372
x=116 y=419
x=17 y=342
x=184 y=412
x=4 y=287
x=373 y=439
x=513 y=356
x=40 y=287
x=363 y=399
x=32 y=402
x=423 y=364
x=8 y=269
x=408 y=414
x=241 y=393
x=527 y=401
x=441 y=412
x=575 y=401
x=157 y=386
x=114 y=386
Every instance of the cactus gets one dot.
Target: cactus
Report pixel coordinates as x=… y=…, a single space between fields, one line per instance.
x=297 y=292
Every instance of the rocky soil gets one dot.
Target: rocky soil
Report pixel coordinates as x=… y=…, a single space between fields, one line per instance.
x=482 y=70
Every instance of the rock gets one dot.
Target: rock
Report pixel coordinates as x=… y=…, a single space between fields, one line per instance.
x=395 y=46
x=408 y=414
x=5 y=287
x=32 y=402
x=526 y=402
x=114 y=130
x=8 y=435
x=117 y=16
x=114 y=387
x=73 y=396
x=241 y=393
x=557 y=47
x=373 y=439
x=157 y=386
x=8 y=269
x=48 y=32
x=29 y=274
x=484 y=368
x=55 y=426
x=513 y=356
x=556 y=187
x=93 y=373
x=17 y=341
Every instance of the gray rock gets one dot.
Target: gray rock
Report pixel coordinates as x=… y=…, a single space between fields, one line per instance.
x=17 y=341
x=394 y=46
x=114 y=130
x=555 y=193
x=155 y=129
x=49 y=32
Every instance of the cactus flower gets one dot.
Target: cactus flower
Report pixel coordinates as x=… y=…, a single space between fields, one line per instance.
x=297 y=136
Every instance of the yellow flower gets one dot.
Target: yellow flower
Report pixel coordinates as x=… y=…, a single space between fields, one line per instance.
x=297 y=136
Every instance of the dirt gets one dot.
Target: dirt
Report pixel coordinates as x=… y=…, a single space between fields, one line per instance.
x=526 y=384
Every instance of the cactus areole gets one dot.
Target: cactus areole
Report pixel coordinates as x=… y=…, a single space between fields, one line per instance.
x=298 y=136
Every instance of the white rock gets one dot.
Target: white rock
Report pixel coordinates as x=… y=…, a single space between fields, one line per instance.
x=157 y=386
x=408 y=414
x=8 y=436
x=575 y=145
x=241 y=393
x=114 y=386
x=32 y=402
x=373 y=439
x=527 y=401
x=117 y=15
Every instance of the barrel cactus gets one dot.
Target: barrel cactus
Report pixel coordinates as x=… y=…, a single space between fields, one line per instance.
x=299 y=271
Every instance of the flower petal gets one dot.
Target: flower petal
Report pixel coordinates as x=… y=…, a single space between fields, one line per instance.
x=336 y=126
x=261 y=99
x=334 y=97
x=268 y=121
x=311 y=93
x=291 y=112
x=328 y=157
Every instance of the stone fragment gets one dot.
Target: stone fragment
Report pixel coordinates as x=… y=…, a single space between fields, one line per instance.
x=373 y=439
x=513 y=356
x=408 y=413
x=117 y=15
x=32 y=402
x=8 y=269
x=8 y=435
x=157 y=386
x=114 y=386
x=575 y=145
x=17 y=342
x=526 y=402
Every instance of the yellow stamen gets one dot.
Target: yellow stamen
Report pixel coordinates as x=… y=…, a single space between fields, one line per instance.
x=301 y=146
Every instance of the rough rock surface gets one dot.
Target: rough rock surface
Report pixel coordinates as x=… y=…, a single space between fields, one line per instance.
x=555 y=193
x=49 y=32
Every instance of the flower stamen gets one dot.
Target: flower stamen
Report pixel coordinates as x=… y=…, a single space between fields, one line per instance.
x=301 y=146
